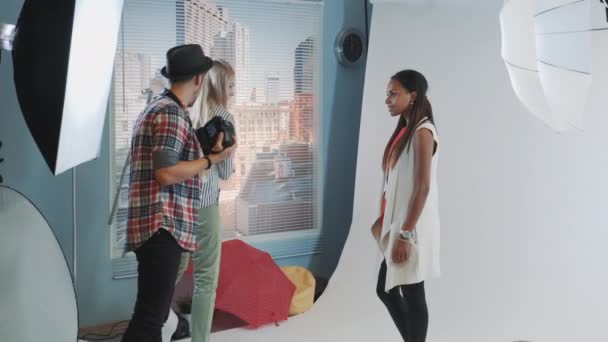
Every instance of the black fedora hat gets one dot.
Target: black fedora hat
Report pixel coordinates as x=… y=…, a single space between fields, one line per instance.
x=185 y=61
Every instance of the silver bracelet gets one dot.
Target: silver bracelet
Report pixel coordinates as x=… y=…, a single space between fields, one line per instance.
x=406 y=235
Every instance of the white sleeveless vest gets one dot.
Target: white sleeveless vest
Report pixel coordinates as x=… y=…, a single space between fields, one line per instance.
x=423 y=262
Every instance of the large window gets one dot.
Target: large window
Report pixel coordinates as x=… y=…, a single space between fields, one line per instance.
x=274 y=47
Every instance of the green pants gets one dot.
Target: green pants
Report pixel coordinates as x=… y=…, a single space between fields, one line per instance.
x=206 y=272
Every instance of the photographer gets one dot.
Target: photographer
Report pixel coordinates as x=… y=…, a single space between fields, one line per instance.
x=165 y=189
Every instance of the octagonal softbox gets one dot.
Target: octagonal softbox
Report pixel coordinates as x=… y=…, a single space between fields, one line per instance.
x=63 y=55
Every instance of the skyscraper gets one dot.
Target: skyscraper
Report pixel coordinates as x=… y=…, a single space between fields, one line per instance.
x=205 y=23
x=303 y=73
x=273 y=89
x=199 y=21
x=242 y=63
x=234 y=47
x=302 y=107
x=301 y=117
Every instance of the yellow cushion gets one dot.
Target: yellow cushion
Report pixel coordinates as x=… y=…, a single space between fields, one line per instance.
x=305 y=283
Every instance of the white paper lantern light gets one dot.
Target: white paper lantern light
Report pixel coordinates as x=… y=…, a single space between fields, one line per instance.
x=546 y=46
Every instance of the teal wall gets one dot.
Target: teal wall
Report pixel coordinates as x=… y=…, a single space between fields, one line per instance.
x=343 y=93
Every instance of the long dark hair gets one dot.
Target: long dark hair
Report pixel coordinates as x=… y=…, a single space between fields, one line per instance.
x=422 y=111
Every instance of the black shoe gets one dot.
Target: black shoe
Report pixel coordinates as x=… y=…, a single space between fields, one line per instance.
x=183 y=328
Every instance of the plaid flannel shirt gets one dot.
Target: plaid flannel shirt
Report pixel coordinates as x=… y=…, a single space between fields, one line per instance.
x=163 y=126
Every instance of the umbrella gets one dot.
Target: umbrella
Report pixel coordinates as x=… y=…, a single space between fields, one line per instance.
x=546 y=46
x=251 y=286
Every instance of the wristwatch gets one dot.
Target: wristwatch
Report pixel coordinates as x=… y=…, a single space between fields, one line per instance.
x=406 y=235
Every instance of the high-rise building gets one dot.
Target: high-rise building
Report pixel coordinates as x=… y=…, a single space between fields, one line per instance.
x=234 y=47
x=273 y=89
x=301 y=116
x=302 y=106
x=223 y=47
x=242 y=64
x=205 y=23
x=199 y=21
x=304 y=67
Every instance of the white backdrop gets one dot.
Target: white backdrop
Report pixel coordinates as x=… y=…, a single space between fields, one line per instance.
x=522 y=208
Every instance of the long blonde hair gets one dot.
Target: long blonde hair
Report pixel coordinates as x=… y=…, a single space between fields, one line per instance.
x=214 y=91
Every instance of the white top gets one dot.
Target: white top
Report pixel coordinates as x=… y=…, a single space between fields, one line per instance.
x=423 y=261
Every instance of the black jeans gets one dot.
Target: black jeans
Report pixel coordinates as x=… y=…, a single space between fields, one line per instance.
x=407 y=306
x=158 y=262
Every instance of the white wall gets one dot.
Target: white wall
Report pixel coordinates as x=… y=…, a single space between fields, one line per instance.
x=524 y=223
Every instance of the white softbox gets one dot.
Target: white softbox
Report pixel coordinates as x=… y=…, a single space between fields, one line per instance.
x=63 y=56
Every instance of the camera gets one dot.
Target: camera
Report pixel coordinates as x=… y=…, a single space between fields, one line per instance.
x=207 y=135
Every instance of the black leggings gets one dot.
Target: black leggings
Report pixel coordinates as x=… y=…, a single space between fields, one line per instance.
x=407 y=306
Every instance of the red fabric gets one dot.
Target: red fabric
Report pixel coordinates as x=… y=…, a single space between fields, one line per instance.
x=251 y=286
x=397 y=138
x=383 y=208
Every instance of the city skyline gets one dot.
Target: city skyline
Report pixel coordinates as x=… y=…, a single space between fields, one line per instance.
x=273 y=111
x=274 y=30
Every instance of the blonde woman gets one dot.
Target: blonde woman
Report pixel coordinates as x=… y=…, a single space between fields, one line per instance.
x=217 y=93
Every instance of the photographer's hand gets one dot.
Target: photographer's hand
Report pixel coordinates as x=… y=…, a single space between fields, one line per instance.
x=225 y=154
x=219 y=143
